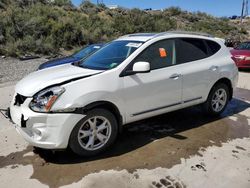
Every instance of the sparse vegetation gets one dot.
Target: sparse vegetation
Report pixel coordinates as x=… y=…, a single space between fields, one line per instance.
x=44 y=27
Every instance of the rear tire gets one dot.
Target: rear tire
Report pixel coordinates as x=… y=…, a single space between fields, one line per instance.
x=95 y=133
x=217 y=100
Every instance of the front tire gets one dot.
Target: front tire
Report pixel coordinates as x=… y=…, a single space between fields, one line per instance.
x=217 y=100
x=94 y=133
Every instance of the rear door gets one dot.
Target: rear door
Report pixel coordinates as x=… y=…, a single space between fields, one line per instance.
x=198 y=70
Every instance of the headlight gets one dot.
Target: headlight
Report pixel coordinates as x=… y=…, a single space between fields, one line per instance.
x=44 y=100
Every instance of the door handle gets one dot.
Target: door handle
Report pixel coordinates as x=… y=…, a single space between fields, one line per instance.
x=175 y=76
x=214 y=68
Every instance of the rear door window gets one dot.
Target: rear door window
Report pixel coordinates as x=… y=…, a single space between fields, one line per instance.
x=190 y=49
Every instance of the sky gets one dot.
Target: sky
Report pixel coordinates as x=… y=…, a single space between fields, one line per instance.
x=215 y=7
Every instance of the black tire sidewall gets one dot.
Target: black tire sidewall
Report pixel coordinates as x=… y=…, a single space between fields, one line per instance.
x=208 y=104
x=73 y=141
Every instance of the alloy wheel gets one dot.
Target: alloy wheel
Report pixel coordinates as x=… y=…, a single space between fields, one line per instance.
x=94 y=133
x=219 y=100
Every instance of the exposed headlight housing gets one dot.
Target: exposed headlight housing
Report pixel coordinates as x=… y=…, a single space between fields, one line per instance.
x=44 y=100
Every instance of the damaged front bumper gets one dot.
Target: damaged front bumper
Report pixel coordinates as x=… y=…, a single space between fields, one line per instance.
x=44 y=130
x=6 y=113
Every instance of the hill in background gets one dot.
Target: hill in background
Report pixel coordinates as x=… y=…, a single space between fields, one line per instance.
x=49 y=27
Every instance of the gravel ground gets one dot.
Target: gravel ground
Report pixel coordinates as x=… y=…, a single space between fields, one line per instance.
x=13 y=69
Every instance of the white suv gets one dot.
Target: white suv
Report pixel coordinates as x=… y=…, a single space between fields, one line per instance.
x=85 y=105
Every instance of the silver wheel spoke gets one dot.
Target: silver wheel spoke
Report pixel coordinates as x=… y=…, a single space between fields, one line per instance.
x=84 y=134
x=91 y=141
x=222 y=102
x=101 y=137
x=214 y=102
x=102 y=126
x=221 y=95
x=217 y=95
x=92 y=123
x=217 y=106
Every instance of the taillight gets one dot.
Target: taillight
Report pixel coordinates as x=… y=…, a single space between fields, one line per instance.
x=234 y=59
x=238 y=58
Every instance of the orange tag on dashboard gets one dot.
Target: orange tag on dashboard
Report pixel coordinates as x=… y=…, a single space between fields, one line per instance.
x=163 y=52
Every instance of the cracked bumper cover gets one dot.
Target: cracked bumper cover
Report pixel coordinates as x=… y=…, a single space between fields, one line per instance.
x=44 y=130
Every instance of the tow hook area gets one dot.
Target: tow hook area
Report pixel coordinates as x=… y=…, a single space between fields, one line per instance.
x=6 y=113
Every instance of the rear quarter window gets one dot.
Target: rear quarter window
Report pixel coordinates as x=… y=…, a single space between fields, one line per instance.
x=214 y=47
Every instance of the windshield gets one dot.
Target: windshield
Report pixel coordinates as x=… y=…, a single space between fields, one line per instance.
x=87 y=51
x=111 y=55
x=244 y=46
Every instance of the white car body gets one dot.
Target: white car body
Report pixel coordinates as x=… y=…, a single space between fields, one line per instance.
x=136 y=97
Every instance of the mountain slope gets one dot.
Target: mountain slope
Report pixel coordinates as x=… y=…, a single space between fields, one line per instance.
x=48 y=28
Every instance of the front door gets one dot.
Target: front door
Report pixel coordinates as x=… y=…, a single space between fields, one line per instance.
x=156 y=92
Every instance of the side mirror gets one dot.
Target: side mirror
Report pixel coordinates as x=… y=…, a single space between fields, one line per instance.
x=141 y=67
x=138 y=67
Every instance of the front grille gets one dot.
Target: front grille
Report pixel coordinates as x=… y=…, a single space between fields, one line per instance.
x=19 y=99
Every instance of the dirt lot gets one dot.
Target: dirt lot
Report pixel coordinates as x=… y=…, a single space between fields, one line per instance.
x=179 y=149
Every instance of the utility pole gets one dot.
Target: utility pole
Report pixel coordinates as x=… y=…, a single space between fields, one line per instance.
x=99 y=2
x=244 y=10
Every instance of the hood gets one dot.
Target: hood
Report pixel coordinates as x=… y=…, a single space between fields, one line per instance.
x=59 y=61
x=39 y=80
x=240 y=52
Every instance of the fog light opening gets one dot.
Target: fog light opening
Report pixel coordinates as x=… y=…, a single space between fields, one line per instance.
x=37 y=134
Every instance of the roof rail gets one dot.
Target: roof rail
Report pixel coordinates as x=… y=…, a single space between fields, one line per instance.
x=139 y=34
x=154 y=35
x=190 y=33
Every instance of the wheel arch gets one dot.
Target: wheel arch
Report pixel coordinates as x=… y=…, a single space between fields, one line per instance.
x=108 y=106
x=227 y=82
